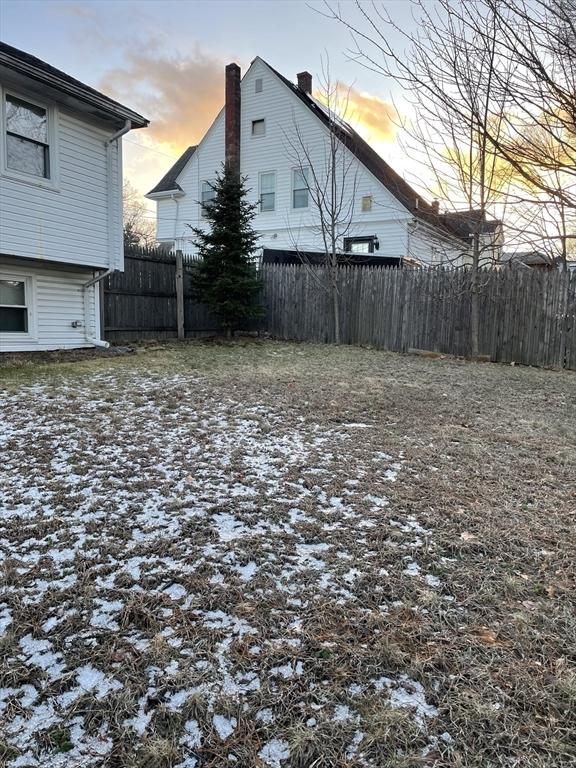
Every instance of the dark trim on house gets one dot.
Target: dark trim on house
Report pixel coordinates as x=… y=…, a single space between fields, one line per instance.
x=316 y=258
x=349 y=243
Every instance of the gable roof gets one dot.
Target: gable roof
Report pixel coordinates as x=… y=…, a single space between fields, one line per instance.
x=451 y=225
x=379 y=168
x=47 y=75
x=168 y=182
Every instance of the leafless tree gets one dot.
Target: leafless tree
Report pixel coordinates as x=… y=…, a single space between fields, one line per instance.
x=447 y=72
x=139 y=225
x=329 y=173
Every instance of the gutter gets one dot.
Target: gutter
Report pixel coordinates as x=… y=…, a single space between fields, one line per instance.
x=72 y=87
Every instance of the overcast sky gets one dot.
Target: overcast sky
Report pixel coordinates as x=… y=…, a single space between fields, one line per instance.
x=165 y=59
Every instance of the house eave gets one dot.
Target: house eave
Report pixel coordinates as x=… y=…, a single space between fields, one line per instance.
x=171 y=193
x=83 y=94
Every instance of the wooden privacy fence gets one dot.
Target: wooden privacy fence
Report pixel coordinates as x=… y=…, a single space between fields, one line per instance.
x=526 y=316
x=152 y=299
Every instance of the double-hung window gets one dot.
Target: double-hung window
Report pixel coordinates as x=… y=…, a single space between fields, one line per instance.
x=27 y=138
x=300 y=188
x=14 y=304
x=207 y=195
x=268 y=191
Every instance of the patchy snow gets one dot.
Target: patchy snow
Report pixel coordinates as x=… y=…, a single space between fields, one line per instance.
x=176 y=546
x=274 y=752
x=225 y=726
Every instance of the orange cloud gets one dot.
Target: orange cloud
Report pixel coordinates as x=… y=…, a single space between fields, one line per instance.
x=374 y=118
x=180 y=94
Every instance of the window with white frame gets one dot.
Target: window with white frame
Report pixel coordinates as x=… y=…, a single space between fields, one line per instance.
x=268 y=191
x=207 y=195
x=27 y=137
x=258 y=85
x=300 y=188
x=258 y=127
x=14 y=304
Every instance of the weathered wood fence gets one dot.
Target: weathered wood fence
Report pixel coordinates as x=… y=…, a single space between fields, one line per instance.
x=143 y=301
x=526 y=316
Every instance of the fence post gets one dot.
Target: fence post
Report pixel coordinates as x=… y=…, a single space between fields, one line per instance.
x=180 y=294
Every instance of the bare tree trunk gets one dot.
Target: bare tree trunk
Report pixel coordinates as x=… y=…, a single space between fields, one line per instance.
x=334 y=286
x=475 y=300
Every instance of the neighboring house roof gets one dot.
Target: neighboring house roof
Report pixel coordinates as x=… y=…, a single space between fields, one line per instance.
x=529 y=259
x=466 y=223
x=168 y=182
x=26 y=64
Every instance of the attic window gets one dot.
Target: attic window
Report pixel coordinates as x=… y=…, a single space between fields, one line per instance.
x=258 y=85
x=258 y=127
x=366 y=203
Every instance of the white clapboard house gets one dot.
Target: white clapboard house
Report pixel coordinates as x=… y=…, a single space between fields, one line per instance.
x=60 y=203
x=264 y=121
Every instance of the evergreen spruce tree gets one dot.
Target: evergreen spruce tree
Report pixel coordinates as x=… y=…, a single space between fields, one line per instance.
x=225 y=278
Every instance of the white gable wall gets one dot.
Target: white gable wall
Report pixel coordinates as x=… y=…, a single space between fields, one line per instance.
x=285 y=227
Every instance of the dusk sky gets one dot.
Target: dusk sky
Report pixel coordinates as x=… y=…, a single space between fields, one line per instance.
x=166 y=60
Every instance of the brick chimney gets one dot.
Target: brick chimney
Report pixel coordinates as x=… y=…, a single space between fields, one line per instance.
x=435 y=205
x=305 y=81
x=232 y=118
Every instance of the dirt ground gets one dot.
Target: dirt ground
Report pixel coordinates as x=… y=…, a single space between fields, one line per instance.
x=269 y=554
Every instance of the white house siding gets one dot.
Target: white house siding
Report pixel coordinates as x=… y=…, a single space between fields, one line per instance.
x=58 y=299
x=428 y=249
x=285 y=227
x=80 y=219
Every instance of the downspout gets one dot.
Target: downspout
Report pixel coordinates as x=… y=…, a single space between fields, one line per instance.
x=91 y=339
x=112 y=211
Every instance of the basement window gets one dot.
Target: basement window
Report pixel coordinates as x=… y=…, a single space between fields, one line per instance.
x=14 y=304
x=27 y=144
x=258 y=127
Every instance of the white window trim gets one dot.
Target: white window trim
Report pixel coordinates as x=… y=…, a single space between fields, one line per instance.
x=266 y=173
x=53 y=182
x=30 y=295
x=258 y=135
x=293 y=189
x=202 y=182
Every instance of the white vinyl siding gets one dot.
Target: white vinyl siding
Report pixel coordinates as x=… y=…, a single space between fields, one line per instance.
x=75 y=216
x=55 y=301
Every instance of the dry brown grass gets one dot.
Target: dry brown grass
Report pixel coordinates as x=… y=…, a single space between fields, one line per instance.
x=123 y=458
